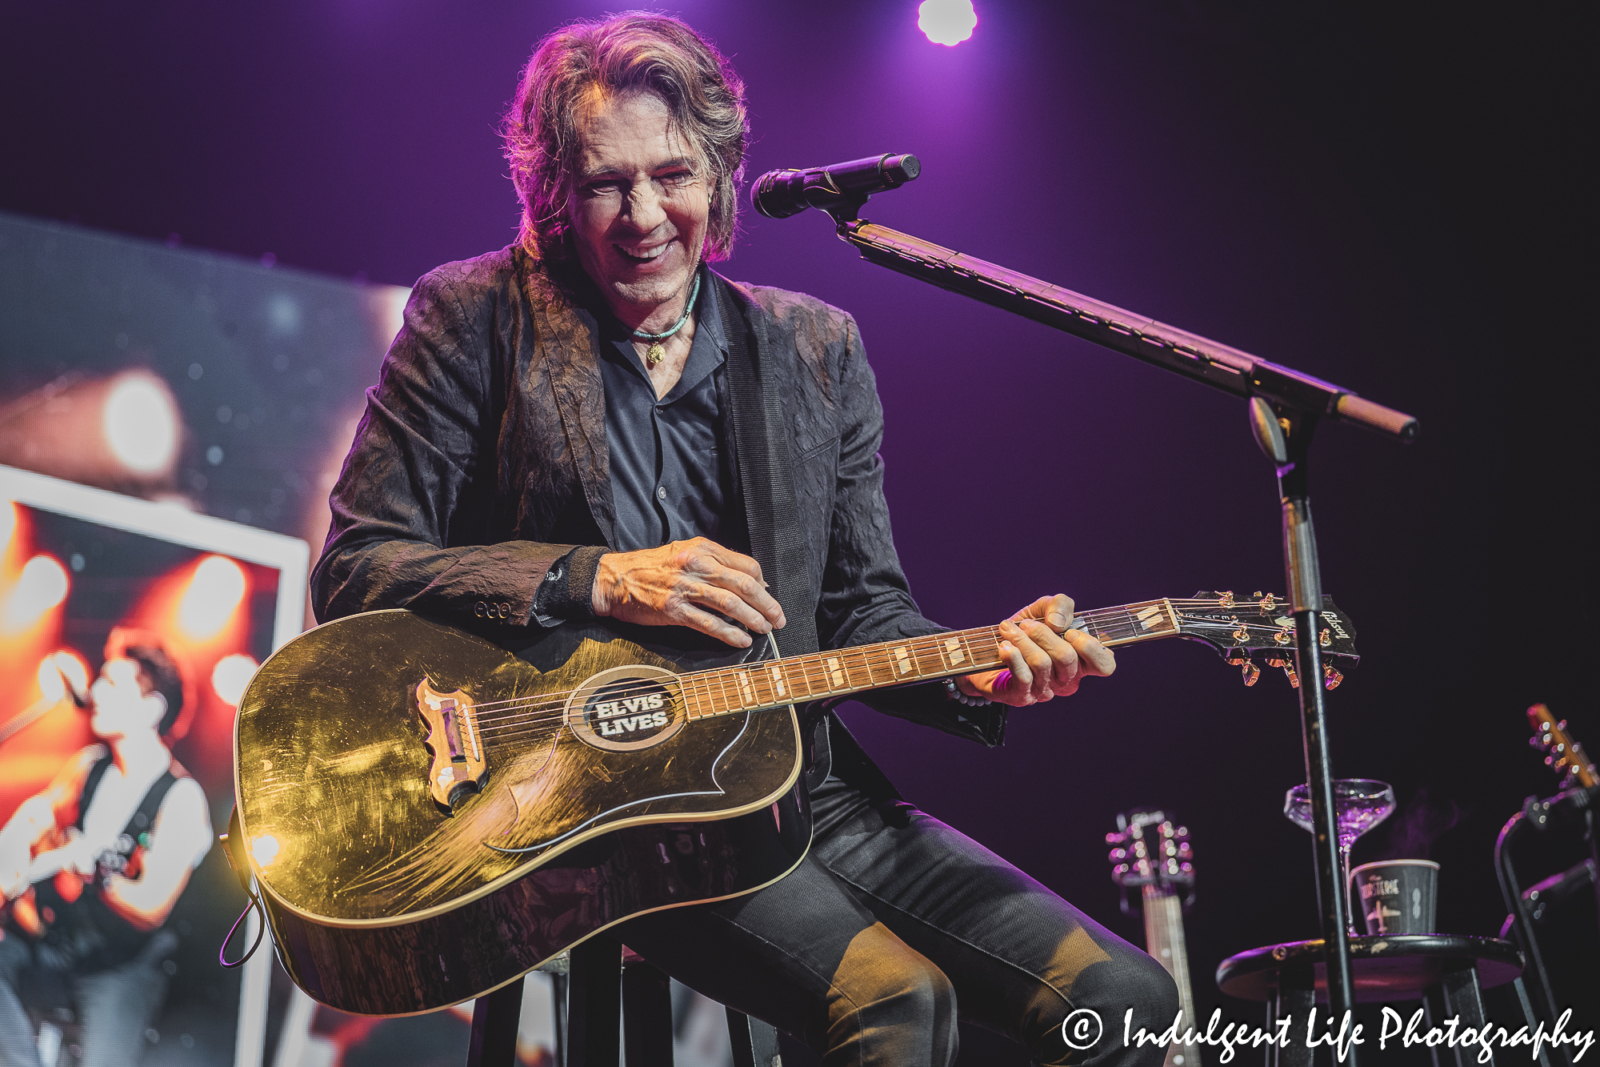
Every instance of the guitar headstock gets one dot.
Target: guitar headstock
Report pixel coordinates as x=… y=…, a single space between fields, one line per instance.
x=1150 y=849
x=1261 y=626
x=1562 y=754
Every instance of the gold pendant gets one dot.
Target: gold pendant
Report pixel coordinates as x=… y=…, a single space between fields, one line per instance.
x=655 y=354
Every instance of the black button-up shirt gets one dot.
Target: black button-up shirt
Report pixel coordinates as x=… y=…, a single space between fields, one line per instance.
x=670 y=480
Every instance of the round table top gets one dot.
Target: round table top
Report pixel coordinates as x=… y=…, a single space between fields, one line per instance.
x=1398 y=967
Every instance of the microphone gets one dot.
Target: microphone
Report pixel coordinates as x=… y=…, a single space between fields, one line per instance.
x=778 y=194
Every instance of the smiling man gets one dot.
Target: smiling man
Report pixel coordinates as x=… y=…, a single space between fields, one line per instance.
x=592 y=423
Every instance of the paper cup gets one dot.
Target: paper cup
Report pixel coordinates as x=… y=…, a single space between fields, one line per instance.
x=1396 y=896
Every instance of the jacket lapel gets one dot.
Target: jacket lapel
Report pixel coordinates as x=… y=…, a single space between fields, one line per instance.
x=566 y=340
x=766 y=477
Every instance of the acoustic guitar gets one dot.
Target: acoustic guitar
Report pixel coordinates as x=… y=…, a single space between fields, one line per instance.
x=429 y=813
x=1154 y=856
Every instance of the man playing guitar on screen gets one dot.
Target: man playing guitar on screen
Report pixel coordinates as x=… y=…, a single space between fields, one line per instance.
x=91 y=867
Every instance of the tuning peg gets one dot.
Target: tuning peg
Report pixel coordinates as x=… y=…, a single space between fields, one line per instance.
x=1251 y=673
x=1288 y=669
x=1331 y=676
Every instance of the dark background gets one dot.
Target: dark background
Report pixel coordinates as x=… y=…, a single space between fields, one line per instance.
x=1384 y=195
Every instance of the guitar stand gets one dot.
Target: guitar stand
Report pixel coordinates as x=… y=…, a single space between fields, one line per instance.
x=1520 y=920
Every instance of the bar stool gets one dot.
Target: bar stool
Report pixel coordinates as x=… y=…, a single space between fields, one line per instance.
x=595 y=982
x=1446 y=971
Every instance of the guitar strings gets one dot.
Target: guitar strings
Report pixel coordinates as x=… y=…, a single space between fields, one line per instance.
x=1103 y=617
x=702 y=682
x=703 y=686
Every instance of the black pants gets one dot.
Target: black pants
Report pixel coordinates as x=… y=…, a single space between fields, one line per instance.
x=893 y=927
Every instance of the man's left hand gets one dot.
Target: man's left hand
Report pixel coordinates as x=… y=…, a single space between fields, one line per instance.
x=1044 y=658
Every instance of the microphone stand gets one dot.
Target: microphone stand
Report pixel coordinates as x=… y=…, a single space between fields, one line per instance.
x=1285 y=407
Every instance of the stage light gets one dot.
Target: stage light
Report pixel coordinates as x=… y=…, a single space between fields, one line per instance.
x=41 y=586
x=947 y=22
x=231 y=675
x=140 y=422
x=57 y=671
x=212 y=597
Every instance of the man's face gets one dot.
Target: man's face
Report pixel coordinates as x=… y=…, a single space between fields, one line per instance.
x=638 y=207
x=121 y=703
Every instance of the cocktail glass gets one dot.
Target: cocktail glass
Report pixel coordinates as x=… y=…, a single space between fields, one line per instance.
x=1359 y=804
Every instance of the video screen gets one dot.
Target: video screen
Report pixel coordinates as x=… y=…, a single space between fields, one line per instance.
x=128 y=632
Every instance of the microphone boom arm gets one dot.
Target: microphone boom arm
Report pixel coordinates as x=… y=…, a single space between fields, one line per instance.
x=1298 y=400
x=1188 y=354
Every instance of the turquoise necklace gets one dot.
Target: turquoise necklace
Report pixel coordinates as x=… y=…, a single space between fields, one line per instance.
x=658 y=351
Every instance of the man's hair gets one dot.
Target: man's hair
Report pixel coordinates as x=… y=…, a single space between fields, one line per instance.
x=159 y=671
x=628 y=52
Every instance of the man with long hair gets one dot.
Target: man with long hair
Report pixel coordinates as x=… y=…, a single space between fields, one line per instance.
x=559 y=432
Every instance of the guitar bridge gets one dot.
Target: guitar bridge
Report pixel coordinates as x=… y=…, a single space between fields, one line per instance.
x=458 y=767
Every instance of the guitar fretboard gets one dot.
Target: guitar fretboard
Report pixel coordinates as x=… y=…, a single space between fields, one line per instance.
x=840 y=672
x=1163 y=939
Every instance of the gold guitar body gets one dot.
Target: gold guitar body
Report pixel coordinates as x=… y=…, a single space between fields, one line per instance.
x=429 y=813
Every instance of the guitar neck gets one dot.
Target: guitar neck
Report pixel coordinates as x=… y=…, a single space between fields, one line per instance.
x=1163 y=939
x=841 y=672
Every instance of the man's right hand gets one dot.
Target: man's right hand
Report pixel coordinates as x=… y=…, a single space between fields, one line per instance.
x=674 y=584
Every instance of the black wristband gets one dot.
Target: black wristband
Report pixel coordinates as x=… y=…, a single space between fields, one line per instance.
x=567 y=591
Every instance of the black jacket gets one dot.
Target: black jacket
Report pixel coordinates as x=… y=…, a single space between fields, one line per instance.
x=482 y=460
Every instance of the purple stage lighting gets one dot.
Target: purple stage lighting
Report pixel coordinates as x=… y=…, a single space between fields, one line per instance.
x=947 y=22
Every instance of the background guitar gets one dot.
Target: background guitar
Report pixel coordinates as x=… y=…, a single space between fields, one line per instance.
x=1566 y=757
x=1153 y=855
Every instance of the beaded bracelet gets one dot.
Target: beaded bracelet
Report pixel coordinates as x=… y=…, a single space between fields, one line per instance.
x=954 y=693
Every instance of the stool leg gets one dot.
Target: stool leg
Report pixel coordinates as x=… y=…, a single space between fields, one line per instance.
x=594 y=1003
x=558 y=996
x=646 y=1016
x=1458 y=994
x=755 y=1043
x=1295 y=1001
x=494 y=1027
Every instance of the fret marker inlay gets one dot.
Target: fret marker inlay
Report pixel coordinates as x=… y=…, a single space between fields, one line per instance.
x=953 y=651
x=902 y=659
x=777 y=680
x=835 y=675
